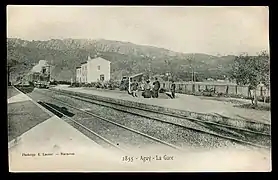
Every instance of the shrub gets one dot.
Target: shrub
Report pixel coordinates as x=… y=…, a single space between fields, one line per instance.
x=261 y=99
x=235 y=95
x=219 y=94
x=111 y=85
x=53 y=83
x=207 y=92
x=75 y=85
x=123 y=87
x=198 y=93
x=98 y=85
x=64 y=82
x=31 y=84
x=92 y=84
x=105 y=86
x=188 y=92
x=251 y=106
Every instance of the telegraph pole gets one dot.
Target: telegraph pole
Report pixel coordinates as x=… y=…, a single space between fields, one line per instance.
x=49 y=69
x=193 y=73
x=192 y=78
x=149 y=63
x=149 y=70
x=192 y=70
x=9 y=75
x=193 y=58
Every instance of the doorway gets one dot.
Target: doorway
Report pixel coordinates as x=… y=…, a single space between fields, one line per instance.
x=102 y=77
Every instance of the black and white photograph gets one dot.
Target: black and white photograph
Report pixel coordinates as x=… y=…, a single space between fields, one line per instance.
x=138 y=88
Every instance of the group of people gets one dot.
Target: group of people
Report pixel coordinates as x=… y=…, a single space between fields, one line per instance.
x=150 y=91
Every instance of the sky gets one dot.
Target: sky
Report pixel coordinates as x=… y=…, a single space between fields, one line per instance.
x=210 y=30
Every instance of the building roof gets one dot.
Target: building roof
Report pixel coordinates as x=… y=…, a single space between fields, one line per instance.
x=99 y=58
x=135 y=75
x=89 y=59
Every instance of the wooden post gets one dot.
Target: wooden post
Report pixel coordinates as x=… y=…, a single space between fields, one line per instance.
x=249 y=91
x=236 y=89
x=264 y=95
x=255 y=97
x=227 y=90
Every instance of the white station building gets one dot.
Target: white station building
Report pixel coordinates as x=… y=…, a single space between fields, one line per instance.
x=93 y=70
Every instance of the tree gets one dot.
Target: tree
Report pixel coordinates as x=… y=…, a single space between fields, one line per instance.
x=11 y=64
x=12 y=68
x=265 y=68
x=251 y=71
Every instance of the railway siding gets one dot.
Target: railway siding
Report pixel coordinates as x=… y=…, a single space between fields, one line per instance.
x=250 y=125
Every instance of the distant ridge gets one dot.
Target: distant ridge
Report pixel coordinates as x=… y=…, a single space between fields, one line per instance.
x=126 y=58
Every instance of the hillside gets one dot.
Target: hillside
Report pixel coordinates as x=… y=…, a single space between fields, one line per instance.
x=126 y=58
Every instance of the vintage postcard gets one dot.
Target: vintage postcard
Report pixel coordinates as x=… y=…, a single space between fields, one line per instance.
x=138 y=89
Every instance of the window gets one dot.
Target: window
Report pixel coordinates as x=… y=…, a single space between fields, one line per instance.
x=98 y=67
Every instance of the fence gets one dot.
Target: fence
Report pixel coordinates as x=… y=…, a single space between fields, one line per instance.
x=225 y=89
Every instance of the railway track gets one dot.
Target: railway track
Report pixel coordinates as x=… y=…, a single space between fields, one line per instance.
x=80 y=125
x=146 y=114
x=111 y=122
x=103 y=103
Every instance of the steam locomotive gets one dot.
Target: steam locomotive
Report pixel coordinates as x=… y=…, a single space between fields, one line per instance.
x=38 y=79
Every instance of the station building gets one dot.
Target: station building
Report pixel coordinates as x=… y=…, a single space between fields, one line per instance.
x=78 y=74
x=93 y=70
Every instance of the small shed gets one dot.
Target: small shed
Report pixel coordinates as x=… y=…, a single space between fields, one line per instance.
x=138 y=77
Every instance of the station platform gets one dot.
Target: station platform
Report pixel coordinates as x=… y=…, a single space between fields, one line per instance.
x=206 y=105
x=41 y=141
x=23 y=113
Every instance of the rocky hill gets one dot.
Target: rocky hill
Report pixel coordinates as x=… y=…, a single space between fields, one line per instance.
x=126 y=58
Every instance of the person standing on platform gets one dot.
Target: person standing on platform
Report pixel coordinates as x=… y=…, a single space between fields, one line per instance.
x=135 y=89
x=147 y=90
x=173 y=90
x=142 y=85
x=156 y=88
